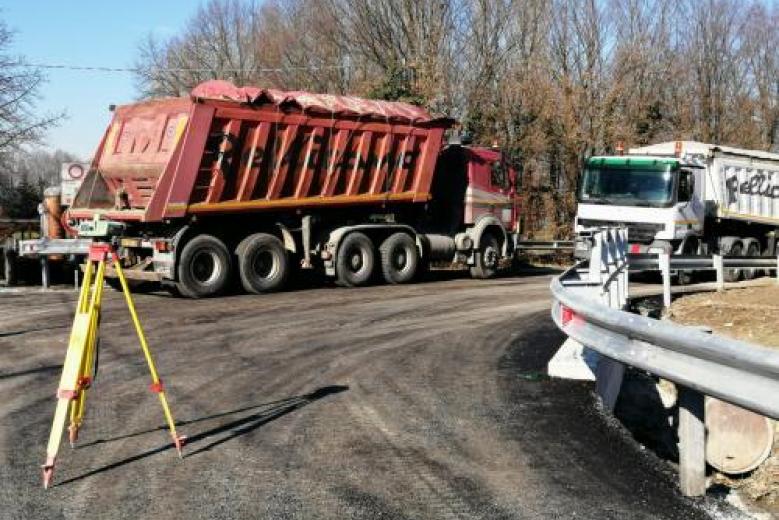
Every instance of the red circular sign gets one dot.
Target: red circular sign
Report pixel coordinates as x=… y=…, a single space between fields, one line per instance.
x=75 y=171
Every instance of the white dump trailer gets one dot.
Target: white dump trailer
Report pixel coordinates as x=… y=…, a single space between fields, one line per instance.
x=685 y=197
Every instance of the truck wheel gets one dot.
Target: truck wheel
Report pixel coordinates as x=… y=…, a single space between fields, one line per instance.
x=487 y=258
x=204 y=267
x=355 y=260
x=753 y=249
x=734 y=275
x=399 y=258
x=687 y=277
x=263 y=263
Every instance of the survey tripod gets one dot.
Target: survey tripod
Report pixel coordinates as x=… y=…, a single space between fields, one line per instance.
x=79 y=369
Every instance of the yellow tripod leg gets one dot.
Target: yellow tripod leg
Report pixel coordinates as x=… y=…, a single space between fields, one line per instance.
x=78 y=405
x=156 y=385
x=68 y=385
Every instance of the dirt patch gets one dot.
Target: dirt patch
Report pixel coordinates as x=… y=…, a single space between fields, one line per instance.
x=747 y=314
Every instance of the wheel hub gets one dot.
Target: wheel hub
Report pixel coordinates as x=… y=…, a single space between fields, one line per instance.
x=204 y=267
x=490 y=257
x=400 y=259
x=265 y=265
x=355 y=261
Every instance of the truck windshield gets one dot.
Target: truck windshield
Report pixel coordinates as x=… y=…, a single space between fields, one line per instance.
x=626 y=187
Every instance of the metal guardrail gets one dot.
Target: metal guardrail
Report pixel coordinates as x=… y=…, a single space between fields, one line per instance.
x=589 y=303
x=54 y=246
x=738 y=372
x=19 y=220
x=639 y=262
x=666 y=263
x=42 y=248
x=541 y=245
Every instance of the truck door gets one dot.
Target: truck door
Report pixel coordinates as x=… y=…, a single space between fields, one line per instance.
x=500 y=183
x=689 y=219
x=448 y=190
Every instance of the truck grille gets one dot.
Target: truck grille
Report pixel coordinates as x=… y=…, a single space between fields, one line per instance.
x=638 y=232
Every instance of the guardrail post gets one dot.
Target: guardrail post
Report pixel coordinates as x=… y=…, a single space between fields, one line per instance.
x=664 y=261
x=9 y=267
x=611 y=288
x=720 y=269
x=625 y=275
x=6 y=265
x=596 y=258
x=692 y=443
x=777 y=264
x=45 y=271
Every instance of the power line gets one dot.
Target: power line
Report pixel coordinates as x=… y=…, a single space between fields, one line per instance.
x=85 y=68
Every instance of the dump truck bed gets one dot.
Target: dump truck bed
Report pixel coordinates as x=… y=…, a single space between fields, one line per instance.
x=227 y=149
x=739 y=184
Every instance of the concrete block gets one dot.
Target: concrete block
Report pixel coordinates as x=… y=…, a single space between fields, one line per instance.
x=575 y=361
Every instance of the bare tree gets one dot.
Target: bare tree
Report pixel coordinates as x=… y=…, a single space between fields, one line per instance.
x=552 y=81
x=19 y=88
x=218 y=43
x=760 y=44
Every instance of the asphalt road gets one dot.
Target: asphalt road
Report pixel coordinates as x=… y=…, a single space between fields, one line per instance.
x=421 y=401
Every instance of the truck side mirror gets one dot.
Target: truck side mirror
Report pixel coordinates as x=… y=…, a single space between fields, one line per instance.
x=499 y=176
x=686 y=186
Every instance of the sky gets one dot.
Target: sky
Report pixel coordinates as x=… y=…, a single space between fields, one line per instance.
x=87 y=33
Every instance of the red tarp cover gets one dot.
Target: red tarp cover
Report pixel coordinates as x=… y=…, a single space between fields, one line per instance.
x=327 y=103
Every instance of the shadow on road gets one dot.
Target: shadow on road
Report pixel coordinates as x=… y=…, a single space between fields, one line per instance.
x=304 y=281
x=268 y=412
x=38 y=370
x=28 y=331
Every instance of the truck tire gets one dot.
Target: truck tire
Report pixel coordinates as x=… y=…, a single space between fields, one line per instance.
x=263 y=263
x=734 y=275
x=752 y=248
x=685 y=276
x=355 y=260
x=487 y=258
x=204 y=268
x=399 y=258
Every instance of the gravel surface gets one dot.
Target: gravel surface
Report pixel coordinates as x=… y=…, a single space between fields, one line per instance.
x=421 y=401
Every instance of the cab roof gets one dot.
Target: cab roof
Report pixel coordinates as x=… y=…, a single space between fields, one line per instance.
x=668 y=148
x=635 y=161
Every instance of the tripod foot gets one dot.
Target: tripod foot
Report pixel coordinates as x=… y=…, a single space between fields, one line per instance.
x=73 y=435
x=178 y=441
x=48 y=472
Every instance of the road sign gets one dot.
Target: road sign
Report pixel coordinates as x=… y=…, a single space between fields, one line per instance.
x=71 y=176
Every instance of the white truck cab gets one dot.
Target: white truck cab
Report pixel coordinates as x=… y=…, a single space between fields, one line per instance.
x=658 y=199
x=683 y=197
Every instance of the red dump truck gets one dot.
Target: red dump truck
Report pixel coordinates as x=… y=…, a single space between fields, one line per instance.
x=252 y=184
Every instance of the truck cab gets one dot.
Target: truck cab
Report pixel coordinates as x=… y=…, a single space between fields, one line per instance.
x=659 y=199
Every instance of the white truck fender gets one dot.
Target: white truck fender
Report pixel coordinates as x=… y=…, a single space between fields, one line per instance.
x=481 y=225
x=289 y=240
